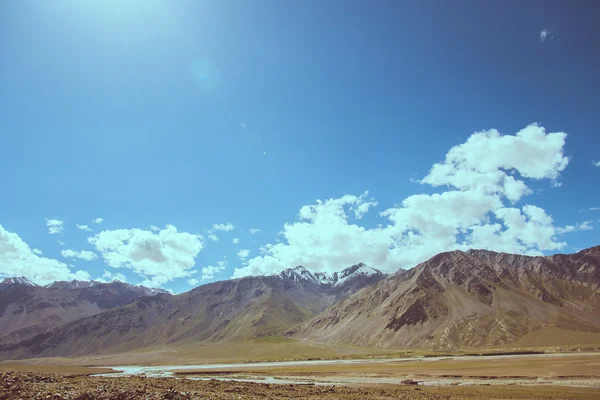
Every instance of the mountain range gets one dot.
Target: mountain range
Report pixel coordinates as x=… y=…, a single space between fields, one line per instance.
x=27 y=309
x=228 y=310
x=467 y=299
x=455 y=300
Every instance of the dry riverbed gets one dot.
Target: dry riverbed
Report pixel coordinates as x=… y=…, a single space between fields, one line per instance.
x=531 y=370
x=32 y=385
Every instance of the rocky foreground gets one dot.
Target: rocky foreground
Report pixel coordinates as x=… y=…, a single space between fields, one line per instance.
x=19 y=385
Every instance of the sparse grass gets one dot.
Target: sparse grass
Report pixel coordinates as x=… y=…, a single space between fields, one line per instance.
x=558 y=339
x=56 y=369
x=275 y=348
x=31 y=386
x=272 y=339
x=517 y=366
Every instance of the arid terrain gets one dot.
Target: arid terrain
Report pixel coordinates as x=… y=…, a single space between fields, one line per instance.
x=455 y=301
x=448 y=328
x=53 y=386
x=570 y=375
x=535 y=369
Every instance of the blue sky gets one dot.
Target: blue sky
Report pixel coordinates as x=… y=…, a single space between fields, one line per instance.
x=184 y=115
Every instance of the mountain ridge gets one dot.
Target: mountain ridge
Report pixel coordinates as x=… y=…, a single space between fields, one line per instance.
x=27 y=309
x=467 y=299
x=455 y=300
x=237 y=309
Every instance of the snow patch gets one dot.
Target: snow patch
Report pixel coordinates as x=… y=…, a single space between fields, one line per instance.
x=301 y=274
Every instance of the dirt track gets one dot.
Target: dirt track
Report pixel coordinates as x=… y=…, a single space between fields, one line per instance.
x=54 y=387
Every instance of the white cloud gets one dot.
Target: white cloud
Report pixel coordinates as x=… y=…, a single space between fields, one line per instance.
x=254 y=231
x=98 y=220
x=118 y=276
x=158 y=257
x=210 y=271
x=584 y=226
x=597 y=163
x=193 y=282
x=594 y=209
x=486 y=177
x=18 y=259
x=83 y=255
x=219 y=227
x=154 y=228
x=243 y=125
x=223 y=227
x=235 y=240
x=83 y=227
x=243 y=254
x=363 y=208
x=109 y=276
x=484 y=161
x=60 y=243
x=37 y=251
x=545 y=34
x=54 y=226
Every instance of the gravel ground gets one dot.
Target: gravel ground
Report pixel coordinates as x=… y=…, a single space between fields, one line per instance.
x=19 y=385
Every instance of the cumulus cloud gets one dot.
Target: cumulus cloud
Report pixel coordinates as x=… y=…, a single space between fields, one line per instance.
x=98 y=220
x=37 y=251
x=223 y=227
x=584 y=226
x=158 y=257
x=485 y=177
x=54 y=226
x=235 y=240
x=83 y=227
x=364 y=206
x=254 y=231
x=193 y=282
x=210 y=271
x=486 y=160
x=154 y=228
x=546 y=34
x=243 y=254
x=109 y=276
x=228 y=227
x=18 y=259
x=597 y=163
x=83 y=255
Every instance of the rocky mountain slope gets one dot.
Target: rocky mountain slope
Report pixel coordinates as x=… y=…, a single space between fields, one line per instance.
x=27 y=309
x=228 y=310
x=467 y=299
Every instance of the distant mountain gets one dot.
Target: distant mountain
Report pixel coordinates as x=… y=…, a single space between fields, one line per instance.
x=17 y=281
x=27 y=309
x=346 y=281
x=76 y=284
x=455 y=300
x=467 y=299
x=229 y=310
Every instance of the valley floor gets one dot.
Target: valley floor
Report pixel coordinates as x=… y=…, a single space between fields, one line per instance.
x=32 y=385
x=530 y=370
x=564 y=373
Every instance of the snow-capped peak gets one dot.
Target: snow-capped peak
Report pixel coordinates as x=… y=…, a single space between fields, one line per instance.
x=76 y=284
x=300 y=273
x=355 y=271
x=19 y=280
